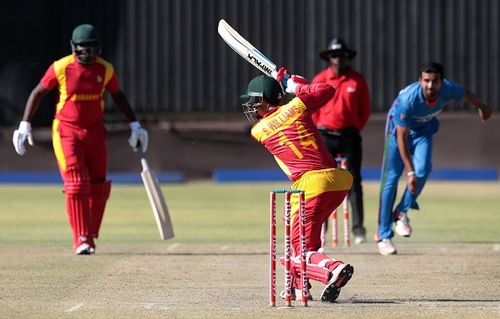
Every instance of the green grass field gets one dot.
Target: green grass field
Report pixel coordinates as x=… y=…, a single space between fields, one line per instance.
x=205 y=212
x=223 y=224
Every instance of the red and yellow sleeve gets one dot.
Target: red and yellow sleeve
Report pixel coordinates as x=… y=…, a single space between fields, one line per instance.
x=111 y=83
x=49 y=80
x=315 y=95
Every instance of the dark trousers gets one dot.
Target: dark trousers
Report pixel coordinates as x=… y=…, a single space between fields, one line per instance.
x=348 y=144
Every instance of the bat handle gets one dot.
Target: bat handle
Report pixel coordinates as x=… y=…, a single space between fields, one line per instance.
x=144 y=163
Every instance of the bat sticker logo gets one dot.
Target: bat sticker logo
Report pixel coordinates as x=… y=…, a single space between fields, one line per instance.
x=245 y=49
x=263 y=67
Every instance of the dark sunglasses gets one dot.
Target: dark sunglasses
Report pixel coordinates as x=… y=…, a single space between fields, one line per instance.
x=340 y=54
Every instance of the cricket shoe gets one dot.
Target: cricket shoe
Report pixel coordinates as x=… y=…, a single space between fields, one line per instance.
x=403 y=227
x=359 y=239
x=386 y=247
x=83 y=249
x=340 y=276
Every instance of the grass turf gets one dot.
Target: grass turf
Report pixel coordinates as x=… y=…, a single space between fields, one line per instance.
x=204 y=212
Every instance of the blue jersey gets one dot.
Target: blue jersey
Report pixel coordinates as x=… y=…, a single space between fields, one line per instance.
x=410 y=109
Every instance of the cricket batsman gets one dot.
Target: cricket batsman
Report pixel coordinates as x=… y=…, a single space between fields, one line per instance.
x=78 y=132
x=289 y=134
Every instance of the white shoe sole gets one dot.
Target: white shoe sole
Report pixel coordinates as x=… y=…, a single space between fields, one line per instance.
x=83 y=249
x=403 y=232
x=388 y=253
x=359 y=240
x=384 y=252
x=339 y=280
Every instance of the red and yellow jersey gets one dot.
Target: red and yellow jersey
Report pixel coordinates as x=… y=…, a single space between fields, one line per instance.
x=81 y=89
x=290 y=135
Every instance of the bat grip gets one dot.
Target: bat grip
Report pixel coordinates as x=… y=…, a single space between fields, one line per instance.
x=144 y=163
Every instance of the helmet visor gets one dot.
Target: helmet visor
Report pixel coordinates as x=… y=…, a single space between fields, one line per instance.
x=251 y=107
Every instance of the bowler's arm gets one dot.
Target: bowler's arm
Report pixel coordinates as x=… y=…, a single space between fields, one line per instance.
x=483 y=109
x=404 y=151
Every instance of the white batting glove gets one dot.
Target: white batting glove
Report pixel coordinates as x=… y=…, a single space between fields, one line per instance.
x=20 y=136
x=138 y=135
x=293 y=82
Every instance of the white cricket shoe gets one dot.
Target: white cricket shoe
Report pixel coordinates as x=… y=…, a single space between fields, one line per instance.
x=403 y=227
x=386 y=247
x=340 y=276
x=83 y=249
x=359 y=239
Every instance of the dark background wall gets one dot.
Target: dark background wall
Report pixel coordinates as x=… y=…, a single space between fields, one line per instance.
x=172 y=63
x=185 y=82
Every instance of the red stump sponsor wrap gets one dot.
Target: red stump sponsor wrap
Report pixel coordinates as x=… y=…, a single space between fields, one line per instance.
x=272 y=249
x=342 y=163
x=288 y=284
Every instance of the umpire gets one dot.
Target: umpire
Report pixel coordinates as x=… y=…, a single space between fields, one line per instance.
x=343 y=117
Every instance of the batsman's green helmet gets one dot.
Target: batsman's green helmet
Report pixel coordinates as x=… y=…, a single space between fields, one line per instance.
x=266 y=87
x=85 y=33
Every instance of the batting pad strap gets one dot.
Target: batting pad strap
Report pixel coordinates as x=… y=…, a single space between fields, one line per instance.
x=76 y=181
x=323 y=263
x=318 y=258
x=317 y=273
x=309 y=255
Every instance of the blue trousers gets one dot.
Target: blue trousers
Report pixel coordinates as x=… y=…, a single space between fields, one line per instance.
x=392 y=167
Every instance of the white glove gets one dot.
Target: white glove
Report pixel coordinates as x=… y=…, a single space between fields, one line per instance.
x=20 y=136
x=293 y=82
x=138 y=135
x=290 y=86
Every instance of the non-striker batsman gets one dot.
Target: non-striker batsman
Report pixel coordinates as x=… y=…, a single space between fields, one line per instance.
x=78 y=132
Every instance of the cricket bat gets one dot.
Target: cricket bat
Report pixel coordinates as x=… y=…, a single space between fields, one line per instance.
x=156 y=199
x=246 y=50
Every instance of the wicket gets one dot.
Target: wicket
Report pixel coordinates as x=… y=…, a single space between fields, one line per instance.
x=342 y=163
x=288 y=249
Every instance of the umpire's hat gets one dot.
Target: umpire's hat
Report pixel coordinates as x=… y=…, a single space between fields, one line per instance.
x=335 y=47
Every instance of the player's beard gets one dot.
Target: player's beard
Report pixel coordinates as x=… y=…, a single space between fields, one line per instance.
x=431 y=94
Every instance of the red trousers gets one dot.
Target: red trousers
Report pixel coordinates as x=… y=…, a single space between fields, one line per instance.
x=83 y=162
x=324 y=191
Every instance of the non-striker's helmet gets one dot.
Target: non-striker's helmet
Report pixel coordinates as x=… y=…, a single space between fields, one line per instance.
x=85 y=34
x=86 y=43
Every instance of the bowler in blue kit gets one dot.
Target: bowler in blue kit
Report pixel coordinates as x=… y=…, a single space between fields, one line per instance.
x=411 y=123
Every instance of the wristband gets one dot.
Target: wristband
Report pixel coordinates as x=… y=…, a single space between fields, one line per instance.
x=134 y=125
x=411 y=173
